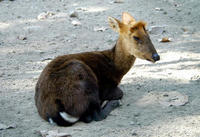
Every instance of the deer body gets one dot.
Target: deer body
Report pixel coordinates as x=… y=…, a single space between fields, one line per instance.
x=73 y=87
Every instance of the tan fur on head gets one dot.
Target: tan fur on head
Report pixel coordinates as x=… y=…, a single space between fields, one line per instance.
x=138 y=24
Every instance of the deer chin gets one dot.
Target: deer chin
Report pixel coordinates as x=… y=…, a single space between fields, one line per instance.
x=151 y=60
x=144 y=58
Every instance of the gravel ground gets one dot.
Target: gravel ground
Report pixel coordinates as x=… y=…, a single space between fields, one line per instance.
x=34 y=32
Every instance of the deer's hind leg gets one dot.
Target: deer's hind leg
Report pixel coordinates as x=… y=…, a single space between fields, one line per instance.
x=73 y=88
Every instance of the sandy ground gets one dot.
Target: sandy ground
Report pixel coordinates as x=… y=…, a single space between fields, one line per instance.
x=27 y=44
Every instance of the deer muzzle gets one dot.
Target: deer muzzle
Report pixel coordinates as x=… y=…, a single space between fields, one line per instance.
x=155 y=57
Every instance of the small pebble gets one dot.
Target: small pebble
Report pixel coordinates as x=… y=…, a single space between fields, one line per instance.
x=184 y=29
x=165 y=12
x=134 y=134
x=165 y=39
x=76 y=23
x=22 y=38
x=158 y=9
x=53 y=133
x=137 y=114
x=118 y=1
x=165 y=95
x=100 y=29
x=82 y=8
x=47 y=59
x=3 y=127
x=73 y=14
x=45 y=15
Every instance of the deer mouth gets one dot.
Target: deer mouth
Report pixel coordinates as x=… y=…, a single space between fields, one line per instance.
x=151 y=60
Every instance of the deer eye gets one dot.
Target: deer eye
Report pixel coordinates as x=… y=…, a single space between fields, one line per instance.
x=136 y=38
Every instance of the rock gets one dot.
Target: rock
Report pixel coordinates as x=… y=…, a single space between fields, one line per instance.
x=134 y=134
x=165 y=12
x=165 y=39
x=100 y=29
x=136 y=114
x=53 y=133
x=42 y=16
x=76 y=23
x=184 y=29
x=158 y=9
x=45 y=15
x=178 y=10
x=21 y=37
x=74 y=14
x=118 y=1
x=177 y=5
x=82 y=9
x=3 y=127
x=46 y=59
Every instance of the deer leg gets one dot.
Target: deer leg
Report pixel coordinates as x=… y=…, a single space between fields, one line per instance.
x=101 y=114
x=114 y=94
x=97 y=113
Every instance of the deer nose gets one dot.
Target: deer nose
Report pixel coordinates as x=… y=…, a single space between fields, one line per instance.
x=155 y=57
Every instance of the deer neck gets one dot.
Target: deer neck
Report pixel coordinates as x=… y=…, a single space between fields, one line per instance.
x=123 y=60
x=121 y=57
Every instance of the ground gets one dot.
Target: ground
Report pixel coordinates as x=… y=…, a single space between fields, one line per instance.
x=29 y=41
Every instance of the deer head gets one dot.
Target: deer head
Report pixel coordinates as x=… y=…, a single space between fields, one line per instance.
x=134 y=37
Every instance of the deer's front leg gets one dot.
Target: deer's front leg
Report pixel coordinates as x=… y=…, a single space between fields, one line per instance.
x=102 y=113
x=113 y=94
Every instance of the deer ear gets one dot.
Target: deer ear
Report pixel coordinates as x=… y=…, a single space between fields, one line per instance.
x=127 y=18
x=114 y=24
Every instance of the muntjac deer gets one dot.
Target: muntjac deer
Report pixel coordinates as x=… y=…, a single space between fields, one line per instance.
x=73 y=87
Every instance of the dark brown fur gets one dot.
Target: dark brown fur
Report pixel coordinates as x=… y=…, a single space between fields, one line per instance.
x=77 y=78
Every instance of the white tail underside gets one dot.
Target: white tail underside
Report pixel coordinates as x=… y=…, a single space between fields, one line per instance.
x=68 y=117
